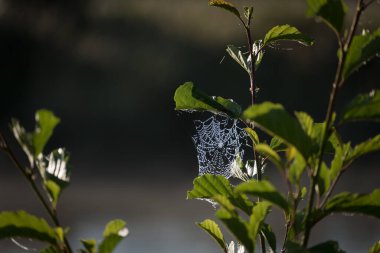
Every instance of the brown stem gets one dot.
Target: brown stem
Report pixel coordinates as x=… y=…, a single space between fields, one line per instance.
x=31 y=179
x=338 y=82
x=333 y=184
x=283 y=250
x=252 y=73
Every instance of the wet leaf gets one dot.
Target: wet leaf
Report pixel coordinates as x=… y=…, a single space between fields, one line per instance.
x=114 y=232
x=363 y=48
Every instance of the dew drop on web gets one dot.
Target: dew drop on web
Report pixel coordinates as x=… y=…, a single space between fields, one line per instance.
x=218 y=140
x=22 y=245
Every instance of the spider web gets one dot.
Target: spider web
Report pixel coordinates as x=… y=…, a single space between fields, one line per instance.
x=218 y=140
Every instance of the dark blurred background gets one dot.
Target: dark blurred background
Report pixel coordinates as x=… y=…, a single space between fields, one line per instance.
x=109 y=70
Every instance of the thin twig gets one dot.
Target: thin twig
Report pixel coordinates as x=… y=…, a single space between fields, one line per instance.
x=338 y=82
x=283 y=250
x=31 y=179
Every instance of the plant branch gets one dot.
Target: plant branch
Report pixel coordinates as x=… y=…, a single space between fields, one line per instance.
x=31 y=179
x=365 y=5
x=338 y=81
x=252 y=73
x=283 y=250
x=332 y=187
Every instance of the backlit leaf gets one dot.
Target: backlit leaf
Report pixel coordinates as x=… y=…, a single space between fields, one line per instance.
x=269 y=236
x=46 y=122
x=188 y=97
x=213 y=229
x=22 y=224
x=239 y=57
x=238 y=227
x=225 y=5
x=363 y=107
x=367 y=204
x=54 y=191
x=208 y=186
x=89 y=245
x=286 y=32
x=296 y=169
x=332 y=12
x=252 y=135
x=364 y=148
x=114 y=232
x=375 y=248
x=277 y=122
x=362 y=49
x=264 y=189
x=266 y=151
x=257 y=218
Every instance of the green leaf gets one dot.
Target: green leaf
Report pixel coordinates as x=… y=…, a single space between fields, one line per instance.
x=50 y=249
x=277 y=122
x=22 y=224
x=306 y=122
x=258 y=52
x=224 y=202
x=188 y=97
x=213 y=229
x=114 y=232
x=364 y=148
x=252 y=135
x=238 y=227
x=323 y=179
x=367 y=204
x=225 y=5
x=296 y=169
x=208 y=186
x=293 y=247
x=362 y=49
x=286 y=32
x=363 y=107
x=24 y=139
x=326 y=247
x=332 y=12
x=33 y=143
x=266 y=151
x=46 y=122
x=375 y=248
x=248 y=12
x=264 y=189
x=269 y=236
x=239 y=57
x=277 y=144
x=54 y=191
x=256 y=220
x=89 y=245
